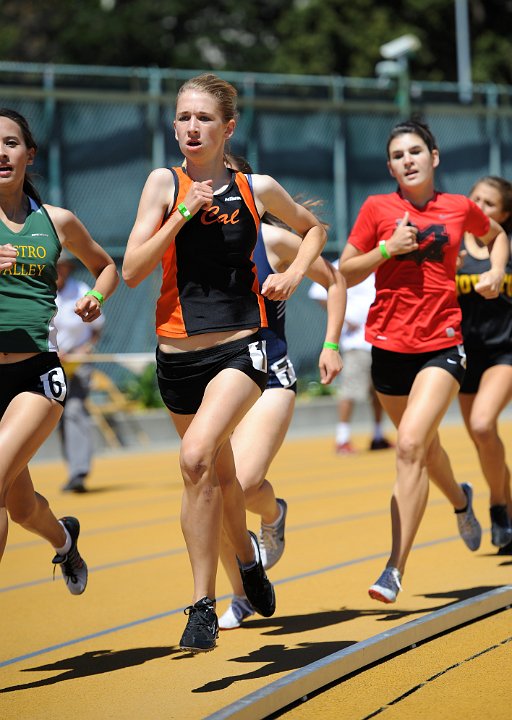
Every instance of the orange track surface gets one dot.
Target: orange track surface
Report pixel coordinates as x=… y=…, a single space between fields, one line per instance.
x=112 y=653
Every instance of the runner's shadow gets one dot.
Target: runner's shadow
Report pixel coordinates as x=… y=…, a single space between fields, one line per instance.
x=462 y=594
x=92 y=663
x=278 y=659
x=115 y=487
x=289 y=624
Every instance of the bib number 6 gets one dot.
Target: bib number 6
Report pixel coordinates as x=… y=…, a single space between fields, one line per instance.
x=54 y=384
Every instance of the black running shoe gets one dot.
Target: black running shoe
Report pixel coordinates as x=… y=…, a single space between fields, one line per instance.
x=75 y=484
x=72 y=565
x=257 y=586
x=506 y=550
x=380 y=444
x=202 y=629
x=501 y=527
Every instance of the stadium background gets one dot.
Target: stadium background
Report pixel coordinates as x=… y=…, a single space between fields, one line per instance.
x=101 y=130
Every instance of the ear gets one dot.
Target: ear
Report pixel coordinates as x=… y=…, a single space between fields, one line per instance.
x=230 y=129
x=31 y=156
x=175 y=132
x=435 y=158
x=390 y=169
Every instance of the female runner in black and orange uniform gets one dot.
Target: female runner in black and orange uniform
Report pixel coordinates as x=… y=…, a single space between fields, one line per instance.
x=201 y=223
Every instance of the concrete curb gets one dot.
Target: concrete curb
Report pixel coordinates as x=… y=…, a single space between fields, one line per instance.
x=299 y=684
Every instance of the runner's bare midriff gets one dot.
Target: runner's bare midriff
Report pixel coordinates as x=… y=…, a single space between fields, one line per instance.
x=203 y=341
x=7 y=358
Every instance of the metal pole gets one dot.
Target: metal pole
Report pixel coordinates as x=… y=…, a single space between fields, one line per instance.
x=340 y=174
x=463 y=51
x=54 y=159
x=157 y=133
x=493 y=132
x=404 y=88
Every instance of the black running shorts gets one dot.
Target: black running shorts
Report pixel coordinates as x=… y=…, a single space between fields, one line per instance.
x=393 y=373
x=481 y=360
x=41 y=374
x=183 y=376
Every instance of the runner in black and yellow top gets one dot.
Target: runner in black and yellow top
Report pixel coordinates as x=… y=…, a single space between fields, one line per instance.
x=33 y=387
x=487 y=331
x=201 y=223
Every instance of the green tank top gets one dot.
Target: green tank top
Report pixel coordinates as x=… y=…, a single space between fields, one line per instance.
x=29 y=287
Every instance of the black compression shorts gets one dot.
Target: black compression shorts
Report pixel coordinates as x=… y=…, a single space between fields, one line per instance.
x=393 y=373
x=183 y=376
x=481 y=360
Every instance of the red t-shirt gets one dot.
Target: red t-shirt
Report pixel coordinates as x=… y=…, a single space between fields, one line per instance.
x=415 y=308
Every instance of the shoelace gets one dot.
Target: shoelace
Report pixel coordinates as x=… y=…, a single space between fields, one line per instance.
x=389 y=579
x=468 y=521
x=70 y=563
x=269 y=537
x=198 y=617
x=396 y=578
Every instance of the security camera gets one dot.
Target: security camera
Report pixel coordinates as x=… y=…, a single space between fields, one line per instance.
x=400 y=47
x=388 y=69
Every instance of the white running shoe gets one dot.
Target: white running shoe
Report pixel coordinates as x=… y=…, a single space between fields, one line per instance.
x=237 y=612
x=387 y=586
x=272 y=538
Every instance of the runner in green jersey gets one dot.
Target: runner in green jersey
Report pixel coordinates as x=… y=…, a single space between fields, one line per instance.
x=33 y=387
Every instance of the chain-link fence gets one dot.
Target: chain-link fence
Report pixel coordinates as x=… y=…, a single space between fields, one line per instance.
x=102 y=130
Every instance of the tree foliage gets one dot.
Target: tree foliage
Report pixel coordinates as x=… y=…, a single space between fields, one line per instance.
x=302 y=37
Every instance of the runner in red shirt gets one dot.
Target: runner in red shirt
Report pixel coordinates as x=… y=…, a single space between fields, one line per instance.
x=410 y=238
